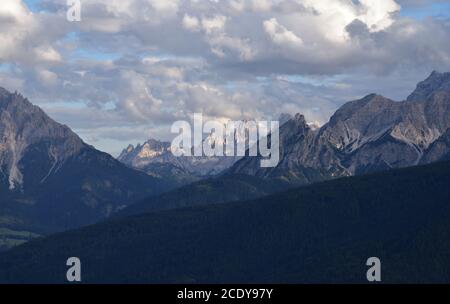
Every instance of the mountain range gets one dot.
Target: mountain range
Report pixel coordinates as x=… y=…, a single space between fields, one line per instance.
x=322 y=233
x=363 y=136
x=50 y=180
x=340 y=193
x=155 y=158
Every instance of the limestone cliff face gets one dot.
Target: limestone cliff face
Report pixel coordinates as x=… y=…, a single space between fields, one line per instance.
x=439 y=150
x=436 y=82
x=366 y=135
x=155 y=157
x=22 y=127
x=50 y=180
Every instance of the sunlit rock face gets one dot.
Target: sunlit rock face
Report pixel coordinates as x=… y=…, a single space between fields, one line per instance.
x=156 y=158
x=366 y=135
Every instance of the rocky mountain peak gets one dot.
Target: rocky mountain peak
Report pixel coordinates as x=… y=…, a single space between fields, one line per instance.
x=436 y=82
x=50 y=180
x=298 y=122
x=284 y=117
x=8 y=99
x=296 y=125
x=129 y=149
x=152 y=148
x=366 y=135
x=359 y=111
x=300 y=118
x=3 y=91
x=24 y=127
x=155 y=144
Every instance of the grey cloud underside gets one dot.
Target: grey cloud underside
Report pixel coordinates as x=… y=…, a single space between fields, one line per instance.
x=211 y=58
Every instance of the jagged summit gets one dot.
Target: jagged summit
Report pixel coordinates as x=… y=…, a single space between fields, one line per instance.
x=8 y=98
x=369 y=134
x=300 y=118
x=155 y=157
x=297 y=124
x=284 y=117
x=24 y=126
x=436 y=82
x=51 y=180
x=142 y=155
x=3 y=91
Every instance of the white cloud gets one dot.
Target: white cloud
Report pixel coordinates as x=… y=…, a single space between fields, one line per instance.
x=332 y=17
x=47 y=53
x=16 y=26
x=191 y=23
x=47 y=77
x=378 y=14
x=281 y=35
x=229 y=58
x=214 y=24
x=14 y=10
x=252 y=5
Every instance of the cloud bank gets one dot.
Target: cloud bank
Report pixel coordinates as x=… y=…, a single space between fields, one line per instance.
x=130 y=68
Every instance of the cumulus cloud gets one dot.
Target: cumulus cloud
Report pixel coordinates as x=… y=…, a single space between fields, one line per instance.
x=15 y=21
x=280 y=35
x=191 y=23
x=27 y=38
x=146 y=63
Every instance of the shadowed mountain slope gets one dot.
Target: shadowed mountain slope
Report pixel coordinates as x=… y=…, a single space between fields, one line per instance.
x=50 y=180
x=321 y=233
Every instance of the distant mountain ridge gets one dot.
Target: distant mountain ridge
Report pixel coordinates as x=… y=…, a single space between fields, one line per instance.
x=50 y=180
x=155 y=157
x=210 y=191
x=38 y=155
x=363 y=136
x=367 y=135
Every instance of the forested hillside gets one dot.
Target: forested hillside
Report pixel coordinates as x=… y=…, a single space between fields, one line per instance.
x=320 y=233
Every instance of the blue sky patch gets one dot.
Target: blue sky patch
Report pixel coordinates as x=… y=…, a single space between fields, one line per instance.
x=436 y=10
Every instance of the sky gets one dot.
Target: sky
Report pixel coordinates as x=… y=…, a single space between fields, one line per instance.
x=130 y=68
